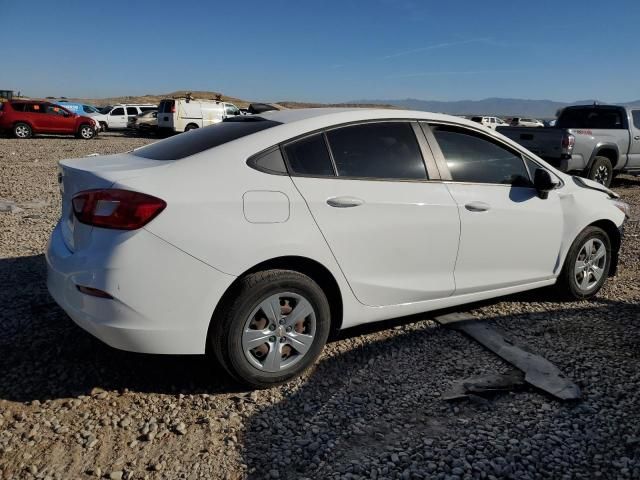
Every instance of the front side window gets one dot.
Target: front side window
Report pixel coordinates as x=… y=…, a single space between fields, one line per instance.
x=384 y=150
x=636 y=118
x=309 y=156
x=55 y=110
x=117 y=111
x=473 y=157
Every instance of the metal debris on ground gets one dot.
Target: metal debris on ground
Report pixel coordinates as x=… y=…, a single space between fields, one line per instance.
x=539 y=371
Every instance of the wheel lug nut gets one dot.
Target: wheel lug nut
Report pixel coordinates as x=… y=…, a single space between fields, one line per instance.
x=283 y=339
x=272 y=338
x=272 y=327
x=282 y=321
x=289 y=329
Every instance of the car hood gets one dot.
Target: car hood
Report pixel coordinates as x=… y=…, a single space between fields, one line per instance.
x=590 y=184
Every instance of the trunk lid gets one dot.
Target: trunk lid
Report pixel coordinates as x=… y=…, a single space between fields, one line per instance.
x=94 y=172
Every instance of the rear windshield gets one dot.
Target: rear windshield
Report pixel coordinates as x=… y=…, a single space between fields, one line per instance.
x=201 y=139
x=165 y=106
x=591 y=117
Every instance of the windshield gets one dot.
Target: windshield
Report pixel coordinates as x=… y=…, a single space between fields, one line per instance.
x=201 y=139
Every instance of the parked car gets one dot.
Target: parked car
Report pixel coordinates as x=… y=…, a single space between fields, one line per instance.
x=593 y=141
x=254 y=237
x=86 y=110
x=118 y=115
x=183 y=114
x=525 y=122
x=145 y=122
x=489 y=122
x=25 y=118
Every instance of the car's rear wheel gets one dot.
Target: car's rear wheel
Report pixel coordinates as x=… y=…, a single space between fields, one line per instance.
x=272 y=329
x=86 y=132
x=601 y=171
x=587 y=265
x=191 y=126
x=22 y=130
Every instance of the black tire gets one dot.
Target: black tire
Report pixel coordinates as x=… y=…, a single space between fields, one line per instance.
x=567 y=285
x=22 y=130
x=230 y=321
x=191 y=126
x=86 y=132
x=601 y=171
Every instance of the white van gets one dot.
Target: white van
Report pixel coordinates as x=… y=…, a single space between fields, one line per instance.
x=182 y=114
x=119 y=115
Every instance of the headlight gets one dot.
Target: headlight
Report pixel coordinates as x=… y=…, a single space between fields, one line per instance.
x=623 y=207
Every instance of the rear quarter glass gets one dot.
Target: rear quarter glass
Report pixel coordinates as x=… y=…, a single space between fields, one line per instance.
x=201 y=139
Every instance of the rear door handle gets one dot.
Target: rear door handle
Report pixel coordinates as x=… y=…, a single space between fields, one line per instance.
x=344 y=202
x=637 y=137
x=477 y=206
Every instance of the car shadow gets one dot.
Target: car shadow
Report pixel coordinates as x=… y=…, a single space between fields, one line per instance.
x=353 y=412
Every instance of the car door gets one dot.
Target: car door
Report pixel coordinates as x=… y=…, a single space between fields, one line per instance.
x=35 y=115
x=132 y=112
x=58 y=119
x=634 y=144
x=509 y=235
x=391 y=224
x=117 y=118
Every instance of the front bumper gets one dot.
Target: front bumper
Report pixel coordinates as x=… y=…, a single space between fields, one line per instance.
x=163 y=298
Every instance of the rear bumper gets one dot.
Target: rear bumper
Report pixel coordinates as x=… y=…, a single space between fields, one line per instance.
x=163 y=298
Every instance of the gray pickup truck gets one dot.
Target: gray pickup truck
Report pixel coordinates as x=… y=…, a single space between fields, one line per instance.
x=593 y=141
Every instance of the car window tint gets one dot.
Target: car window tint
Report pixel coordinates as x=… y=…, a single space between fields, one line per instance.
x=18 y=107
x=117 y=111
x=636 y=118
x=54 y=110
x=309 y=156
x=132 y=111
x=35 y=108
x=269 y=162
x=147 y=109
x=591 y=117
x=385 y=150
x=473 y=157
x=201 y=139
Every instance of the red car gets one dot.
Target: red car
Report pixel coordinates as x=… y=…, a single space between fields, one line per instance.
x=24 y=118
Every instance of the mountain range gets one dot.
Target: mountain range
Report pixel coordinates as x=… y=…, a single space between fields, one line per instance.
x=543 y=109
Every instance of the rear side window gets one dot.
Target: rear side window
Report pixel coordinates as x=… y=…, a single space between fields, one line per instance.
x=591 y=117
x=309 y=156
x=201 y=139
x=132 y=111
x=385 y=150
x=18 y=107
x=472 y=157
x=636 y=118
x=270 y=161
x=147 y=109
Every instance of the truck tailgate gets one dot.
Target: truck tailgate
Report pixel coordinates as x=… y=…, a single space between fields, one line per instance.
x=544 y=142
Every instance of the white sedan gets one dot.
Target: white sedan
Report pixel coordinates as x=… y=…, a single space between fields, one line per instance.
x=254 y=238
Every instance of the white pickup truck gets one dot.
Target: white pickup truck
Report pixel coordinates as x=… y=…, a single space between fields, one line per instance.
x=593 y=141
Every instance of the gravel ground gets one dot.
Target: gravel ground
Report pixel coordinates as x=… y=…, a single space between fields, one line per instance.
x=71 y=407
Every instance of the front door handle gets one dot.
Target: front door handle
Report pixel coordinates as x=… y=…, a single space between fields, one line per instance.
x=344 y=202
x=477 y=206
x=637 y=137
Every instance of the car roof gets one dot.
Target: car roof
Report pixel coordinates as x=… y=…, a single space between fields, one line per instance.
x=323 y=117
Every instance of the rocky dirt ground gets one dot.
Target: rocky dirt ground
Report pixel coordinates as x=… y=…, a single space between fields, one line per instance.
x=71 y=407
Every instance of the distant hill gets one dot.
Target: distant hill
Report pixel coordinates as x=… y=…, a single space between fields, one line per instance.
x=489 y=106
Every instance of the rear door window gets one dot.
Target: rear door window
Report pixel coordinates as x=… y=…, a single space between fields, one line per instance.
x=309 y=156
x=132 y=111
x=381 y=150
x=201 y=139
x=606 y=118
x=35 y=108
x=476 y=158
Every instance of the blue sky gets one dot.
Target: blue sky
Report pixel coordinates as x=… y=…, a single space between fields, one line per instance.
x=327 y=51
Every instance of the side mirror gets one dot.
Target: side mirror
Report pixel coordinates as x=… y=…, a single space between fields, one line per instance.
x=543 y=182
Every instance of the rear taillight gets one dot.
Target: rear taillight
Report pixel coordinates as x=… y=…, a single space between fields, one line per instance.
x=113 y=208
x=568 y=142
x=173 y=108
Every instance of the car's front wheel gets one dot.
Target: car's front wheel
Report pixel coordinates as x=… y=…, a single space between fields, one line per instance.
x=272 y=329
x=587 y=265
x=86 y=132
